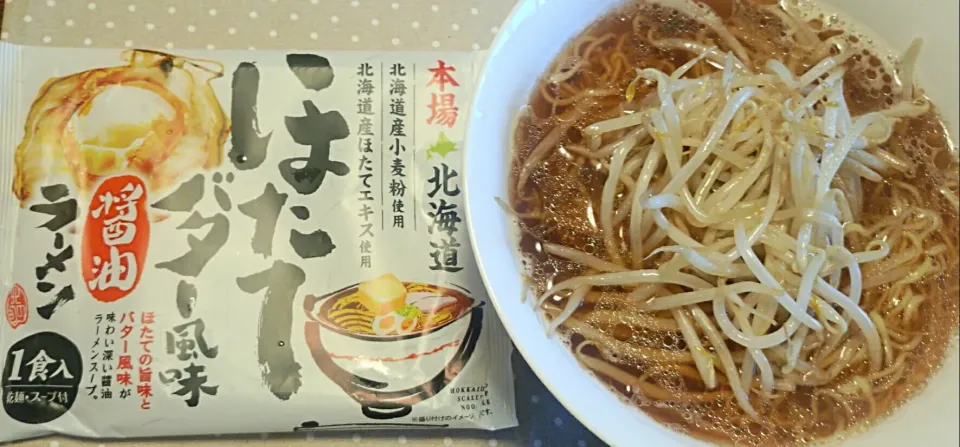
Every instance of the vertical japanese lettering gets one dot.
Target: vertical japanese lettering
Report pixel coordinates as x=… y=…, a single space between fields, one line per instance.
x=365 y=165
x=115 y=238
x=144 y=362
x=443 y=186
x=443 y=107
x=317 y=130
x=62 y=212
x=398 y=140
x=280 y=370
x=103 y=359
x=265 y=210
x=187 y=342
x=121 y=353
x=313 y=71
x=249 y=145
x=280 y=282
x=444 y=219
x=201 y=251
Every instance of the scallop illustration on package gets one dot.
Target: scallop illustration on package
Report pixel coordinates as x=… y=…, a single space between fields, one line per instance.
x=390 y=344
x=171 y=122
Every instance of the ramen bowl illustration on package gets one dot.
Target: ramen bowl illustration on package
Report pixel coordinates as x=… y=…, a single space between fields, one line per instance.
x=391 y=344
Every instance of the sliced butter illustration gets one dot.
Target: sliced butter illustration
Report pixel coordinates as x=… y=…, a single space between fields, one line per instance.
x=383 y=295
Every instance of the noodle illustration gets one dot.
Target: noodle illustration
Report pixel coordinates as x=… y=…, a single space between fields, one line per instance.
x=418 y=307
x=391 y=344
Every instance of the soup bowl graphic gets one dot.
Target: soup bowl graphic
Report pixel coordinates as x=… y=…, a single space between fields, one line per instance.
x=388 y=374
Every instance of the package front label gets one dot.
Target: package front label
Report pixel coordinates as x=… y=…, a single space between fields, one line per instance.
x=227 y=242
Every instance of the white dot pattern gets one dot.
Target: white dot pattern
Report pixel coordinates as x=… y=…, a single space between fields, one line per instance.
x=351 y=24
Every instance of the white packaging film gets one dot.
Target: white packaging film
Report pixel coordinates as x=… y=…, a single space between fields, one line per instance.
x=240 y=242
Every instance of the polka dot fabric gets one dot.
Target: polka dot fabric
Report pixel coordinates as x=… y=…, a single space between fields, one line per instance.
x=363 y=25
x=459 y=25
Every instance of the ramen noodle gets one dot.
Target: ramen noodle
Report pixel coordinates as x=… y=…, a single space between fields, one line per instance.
x=423 y=307
x=191 y=234
x=742 y=216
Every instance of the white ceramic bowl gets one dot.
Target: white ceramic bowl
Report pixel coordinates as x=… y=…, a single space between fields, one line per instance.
x=529 y=40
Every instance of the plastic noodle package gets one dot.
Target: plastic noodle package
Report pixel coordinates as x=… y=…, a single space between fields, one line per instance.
x=191 y=236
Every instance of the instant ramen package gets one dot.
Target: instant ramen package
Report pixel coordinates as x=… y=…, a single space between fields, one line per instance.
x=240 y=242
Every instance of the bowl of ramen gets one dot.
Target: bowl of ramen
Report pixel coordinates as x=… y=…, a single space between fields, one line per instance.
x=391 y=344
x=733 y=221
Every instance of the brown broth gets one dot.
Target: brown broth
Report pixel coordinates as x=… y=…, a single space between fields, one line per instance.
x=560 y=204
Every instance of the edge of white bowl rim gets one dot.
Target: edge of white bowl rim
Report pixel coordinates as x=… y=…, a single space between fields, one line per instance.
x=661 y=433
